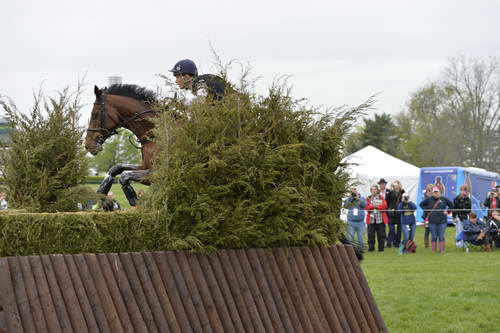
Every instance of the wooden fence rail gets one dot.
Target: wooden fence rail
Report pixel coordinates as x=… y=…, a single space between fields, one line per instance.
x=251 y=290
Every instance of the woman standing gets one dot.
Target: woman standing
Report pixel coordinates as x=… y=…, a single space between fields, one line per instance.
x=376 y=218
x=427 y=194
x=436 y=209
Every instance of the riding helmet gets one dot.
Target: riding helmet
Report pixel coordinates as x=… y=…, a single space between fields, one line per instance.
x=185 y=66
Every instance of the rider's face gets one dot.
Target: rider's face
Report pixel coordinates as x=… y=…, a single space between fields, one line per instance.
x=184 y=81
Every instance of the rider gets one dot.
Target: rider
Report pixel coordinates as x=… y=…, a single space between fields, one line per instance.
x=206 y=85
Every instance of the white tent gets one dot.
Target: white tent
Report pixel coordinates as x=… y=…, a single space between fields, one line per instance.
x=370 y=164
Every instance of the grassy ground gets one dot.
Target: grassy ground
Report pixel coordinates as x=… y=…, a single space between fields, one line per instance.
x=430 y=292
x=118 y=193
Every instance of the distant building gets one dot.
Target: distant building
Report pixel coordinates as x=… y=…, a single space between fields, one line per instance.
x=114 y=80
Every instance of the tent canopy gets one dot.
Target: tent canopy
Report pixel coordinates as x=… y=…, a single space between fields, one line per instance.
x=370 y=164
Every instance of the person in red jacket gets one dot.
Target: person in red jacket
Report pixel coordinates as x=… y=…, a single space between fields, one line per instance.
x=376 y=218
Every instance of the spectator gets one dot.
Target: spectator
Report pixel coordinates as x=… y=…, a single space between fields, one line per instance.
x=492 y=201
x=436 y=207
x=383 y=190
x=462 y=207
x=408 y=222
x=110 y=204
x=355 y=217
x=393 y=200
x=376 y=218
x=476 y=232
x=3 y=201
x=494 y=225
x=427 y=194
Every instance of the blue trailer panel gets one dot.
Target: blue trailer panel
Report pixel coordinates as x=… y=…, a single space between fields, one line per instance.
x=449 y=180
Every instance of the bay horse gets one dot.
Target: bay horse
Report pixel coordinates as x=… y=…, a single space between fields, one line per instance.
x=123 y=106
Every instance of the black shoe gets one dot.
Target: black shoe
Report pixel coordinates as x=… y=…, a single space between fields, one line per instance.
x=380 y=250
x=371 y=250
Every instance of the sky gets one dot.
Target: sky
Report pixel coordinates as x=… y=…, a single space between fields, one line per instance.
x=335 y=52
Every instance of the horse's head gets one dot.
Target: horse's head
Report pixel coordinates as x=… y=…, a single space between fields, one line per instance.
x=101 y=125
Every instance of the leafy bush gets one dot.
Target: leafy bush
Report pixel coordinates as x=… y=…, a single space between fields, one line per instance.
x=83 y=232
x=46 y=164
x=250 y=172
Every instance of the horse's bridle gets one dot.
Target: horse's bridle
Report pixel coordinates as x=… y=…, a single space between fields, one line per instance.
x=106 y=133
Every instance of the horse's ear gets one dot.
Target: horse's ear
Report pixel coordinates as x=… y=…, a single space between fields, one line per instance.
x=97 y=91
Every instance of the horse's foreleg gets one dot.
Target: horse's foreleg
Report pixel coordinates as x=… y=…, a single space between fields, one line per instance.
x=125 y=180
x=112 y=173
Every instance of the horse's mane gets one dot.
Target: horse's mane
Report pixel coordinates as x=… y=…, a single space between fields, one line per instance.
x=133 y=91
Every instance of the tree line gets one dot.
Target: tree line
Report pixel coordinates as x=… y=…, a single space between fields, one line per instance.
x=453 y=120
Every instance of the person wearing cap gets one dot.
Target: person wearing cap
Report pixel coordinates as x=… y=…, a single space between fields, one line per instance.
x=436 y=208
x=462 y=208
x=201 y=86
x=427 y=194
x=383 y=190
x=408 y=221
x=385 y=193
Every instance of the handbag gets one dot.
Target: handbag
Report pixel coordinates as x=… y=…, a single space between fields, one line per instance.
x=410 y=247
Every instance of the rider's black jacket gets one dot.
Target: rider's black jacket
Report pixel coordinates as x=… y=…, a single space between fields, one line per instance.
x=214 y=86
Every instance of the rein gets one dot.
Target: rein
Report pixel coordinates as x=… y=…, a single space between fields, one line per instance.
x=106 y=133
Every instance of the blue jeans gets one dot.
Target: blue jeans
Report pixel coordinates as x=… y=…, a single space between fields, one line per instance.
x=437 y=231
x=394 y=237
x=408 y=232
x=356 y=228
x=459 y=227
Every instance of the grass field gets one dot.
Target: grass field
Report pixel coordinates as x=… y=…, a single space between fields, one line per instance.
x=430 y=292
